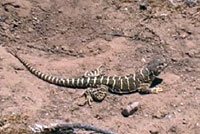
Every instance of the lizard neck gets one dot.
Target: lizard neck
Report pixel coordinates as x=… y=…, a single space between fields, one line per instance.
x=144 y=75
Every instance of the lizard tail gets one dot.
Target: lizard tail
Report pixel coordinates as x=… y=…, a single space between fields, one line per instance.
x=12 y=51
x=81 y=82
x=48 y=78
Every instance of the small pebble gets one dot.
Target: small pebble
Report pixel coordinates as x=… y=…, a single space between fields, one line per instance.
x=184 y=121
x=163 y=15
x=179 y=110
x=126 y=9
x=169 y=116
x=143 y=60
x=197 y=88
x=130 y=109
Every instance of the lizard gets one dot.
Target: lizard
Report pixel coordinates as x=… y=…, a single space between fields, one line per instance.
x=97 y=84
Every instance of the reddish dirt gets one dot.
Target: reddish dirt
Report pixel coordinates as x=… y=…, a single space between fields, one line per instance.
x=66 y=38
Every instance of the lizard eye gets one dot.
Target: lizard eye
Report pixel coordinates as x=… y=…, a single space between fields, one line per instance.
x=161 y=66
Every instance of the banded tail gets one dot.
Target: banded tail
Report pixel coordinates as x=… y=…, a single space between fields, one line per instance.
x=66 y=82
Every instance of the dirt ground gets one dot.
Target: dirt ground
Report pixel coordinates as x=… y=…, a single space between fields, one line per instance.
x=66 y=38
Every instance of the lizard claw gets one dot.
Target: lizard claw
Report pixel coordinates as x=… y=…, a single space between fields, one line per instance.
x=84 y=99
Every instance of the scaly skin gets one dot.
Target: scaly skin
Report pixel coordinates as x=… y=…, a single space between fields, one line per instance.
x=139 y=81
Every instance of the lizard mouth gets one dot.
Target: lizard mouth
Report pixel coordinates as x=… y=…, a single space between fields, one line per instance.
x=161 y=68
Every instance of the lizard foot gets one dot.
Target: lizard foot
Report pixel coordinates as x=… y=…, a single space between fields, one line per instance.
x=156 y=90
x=96 y=72
x=144 y=89
x=86 y=98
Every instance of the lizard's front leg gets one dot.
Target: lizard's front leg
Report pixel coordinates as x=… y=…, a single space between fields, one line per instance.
x=145 y=89
x=96 y=94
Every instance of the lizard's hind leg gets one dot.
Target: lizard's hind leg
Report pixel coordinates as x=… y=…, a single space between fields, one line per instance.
x=96 y=94
x=96 y=72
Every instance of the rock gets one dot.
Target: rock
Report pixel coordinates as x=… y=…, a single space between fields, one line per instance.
x=130 y=109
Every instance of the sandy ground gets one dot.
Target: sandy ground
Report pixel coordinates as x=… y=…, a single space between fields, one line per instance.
x=66 y=38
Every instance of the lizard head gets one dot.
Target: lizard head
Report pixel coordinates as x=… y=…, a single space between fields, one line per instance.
x=157 y=65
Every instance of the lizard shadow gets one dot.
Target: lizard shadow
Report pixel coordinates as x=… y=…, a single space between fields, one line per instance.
x=156 y=82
